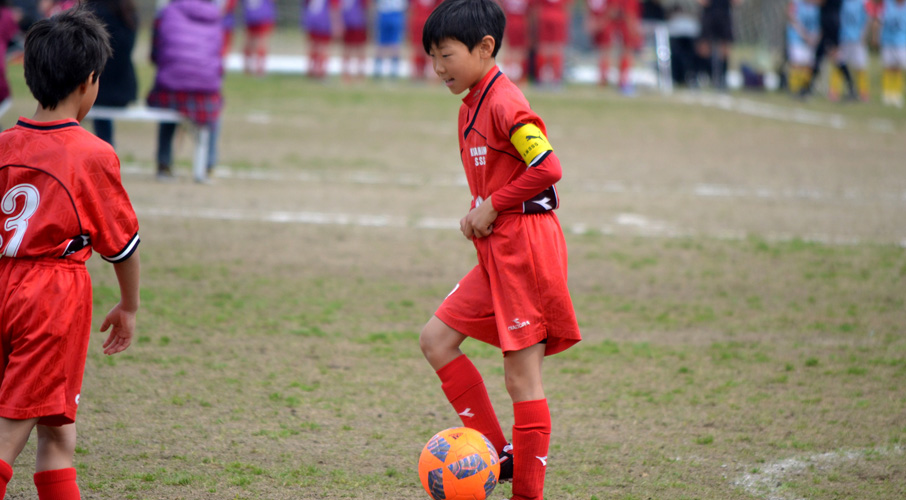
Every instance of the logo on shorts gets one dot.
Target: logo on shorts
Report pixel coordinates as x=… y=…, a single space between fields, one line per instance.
x=77 y=396
x=518 y=324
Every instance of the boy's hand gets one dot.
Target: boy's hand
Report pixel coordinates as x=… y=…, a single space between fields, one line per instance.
x=479 y=223
x=123 y=323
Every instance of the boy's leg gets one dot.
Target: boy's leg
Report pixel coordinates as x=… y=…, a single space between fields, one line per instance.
x=13 y=436
x=55 y=477
x=532 y=421
x=461 y=381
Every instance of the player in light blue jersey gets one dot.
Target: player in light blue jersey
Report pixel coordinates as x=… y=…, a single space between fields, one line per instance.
x=892 y=38
x=853 y=51
x=803 y=31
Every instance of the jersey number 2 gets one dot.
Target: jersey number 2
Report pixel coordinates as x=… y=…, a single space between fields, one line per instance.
x=18 y=223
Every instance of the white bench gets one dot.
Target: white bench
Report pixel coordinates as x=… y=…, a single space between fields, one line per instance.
x=162 y=115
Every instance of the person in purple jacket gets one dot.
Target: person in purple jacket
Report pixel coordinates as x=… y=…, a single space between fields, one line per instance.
x=319 y=20
x=186 y=47
x=260 y=16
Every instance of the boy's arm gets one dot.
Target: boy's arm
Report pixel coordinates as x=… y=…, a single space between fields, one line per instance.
x=122 y=316
x=543 y=167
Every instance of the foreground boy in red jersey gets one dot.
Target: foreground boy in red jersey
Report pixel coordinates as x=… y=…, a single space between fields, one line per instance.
x=516 y=298
x=61 y=197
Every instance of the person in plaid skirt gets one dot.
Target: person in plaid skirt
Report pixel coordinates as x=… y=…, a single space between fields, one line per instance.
x=186 y=47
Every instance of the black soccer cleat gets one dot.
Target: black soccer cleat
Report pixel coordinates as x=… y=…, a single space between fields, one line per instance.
x=506 y=464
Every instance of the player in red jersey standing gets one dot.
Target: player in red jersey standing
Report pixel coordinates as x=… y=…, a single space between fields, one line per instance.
x=515 y=63
x=516 y=298
x=61 y=197
x=419 y=10
x=552 y=24
x=611 y=19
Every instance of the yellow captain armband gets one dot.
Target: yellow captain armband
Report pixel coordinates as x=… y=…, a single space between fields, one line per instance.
x=531 y=144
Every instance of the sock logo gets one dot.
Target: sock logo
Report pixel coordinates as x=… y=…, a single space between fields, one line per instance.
x=467 y=413
x=543 y=460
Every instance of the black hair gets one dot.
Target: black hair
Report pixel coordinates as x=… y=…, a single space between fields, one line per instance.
x=61 y=52
x=468 y=21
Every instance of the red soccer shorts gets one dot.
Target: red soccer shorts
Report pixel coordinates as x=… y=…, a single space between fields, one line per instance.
x=617 y=28
x=259 y=29
x=552 y=27
x=355 y=36
x=45 y=326
x=516 y=296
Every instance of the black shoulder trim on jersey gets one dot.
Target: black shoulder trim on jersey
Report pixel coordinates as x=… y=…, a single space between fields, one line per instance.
x=515 y=128
x=126 y=252
x=46 y=127
x=484 y=94
x=71 y=199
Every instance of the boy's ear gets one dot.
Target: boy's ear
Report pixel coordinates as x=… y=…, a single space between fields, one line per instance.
x=83 y=87
x=486 y=46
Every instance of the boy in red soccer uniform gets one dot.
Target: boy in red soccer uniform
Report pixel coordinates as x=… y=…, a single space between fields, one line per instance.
x=419 y=10
x=517 y=39
x=516 y=298
x=61 y=197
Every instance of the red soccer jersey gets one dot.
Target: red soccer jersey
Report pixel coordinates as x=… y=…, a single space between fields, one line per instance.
x=490 y=115
x=62 y=195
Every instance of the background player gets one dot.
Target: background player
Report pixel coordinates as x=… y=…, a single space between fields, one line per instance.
x=62 y=197
x=516 y=298
x=802 y=34
x=853 y=53
x=892 y=37
x=552 y=24
x=355 y=36
x=259 y=16
x=418 y=14
x=611 y=19
x=391 y=21
x=515 y=54
x=716 y=39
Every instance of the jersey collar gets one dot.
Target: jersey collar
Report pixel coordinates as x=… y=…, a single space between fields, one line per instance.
x=475 y=94
x=54 y=125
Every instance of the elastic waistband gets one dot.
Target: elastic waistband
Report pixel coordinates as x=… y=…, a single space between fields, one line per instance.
x=42 y=262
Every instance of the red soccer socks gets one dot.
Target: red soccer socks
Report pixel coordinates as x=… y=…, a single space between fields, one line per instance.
x=531 y=438
x=59 y=484
x=464 y=388
x=6 y=473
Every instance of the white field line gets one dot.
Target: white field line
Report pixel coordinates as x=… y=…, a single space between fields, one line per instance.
x=613 y=187
x=789 y=114
x=767 y=482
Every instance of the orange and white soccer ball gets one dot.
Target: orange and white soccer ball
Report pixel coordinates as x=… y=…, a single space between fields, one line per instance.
x=459 y=464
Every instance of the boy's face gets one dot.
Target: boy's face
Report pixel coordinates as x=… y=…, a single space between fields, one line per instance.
x=459 y=68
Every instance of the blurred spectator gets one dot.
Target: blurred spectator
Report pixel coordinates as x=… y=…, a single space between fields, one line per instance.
x=9 y=28
x=391 y=17
x=259 y=17
x=418 y=14
x=186 y=47
x=516 y=39
x=716 y=39
x=118 y=85
x=355 y=38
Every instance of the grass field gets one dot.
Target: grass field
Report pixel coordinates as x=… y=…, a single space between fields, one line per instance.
x=737 y=265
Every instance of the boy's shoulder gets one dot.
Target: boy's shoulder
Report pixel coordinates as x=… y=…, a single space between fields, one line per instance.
x=30 y=138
